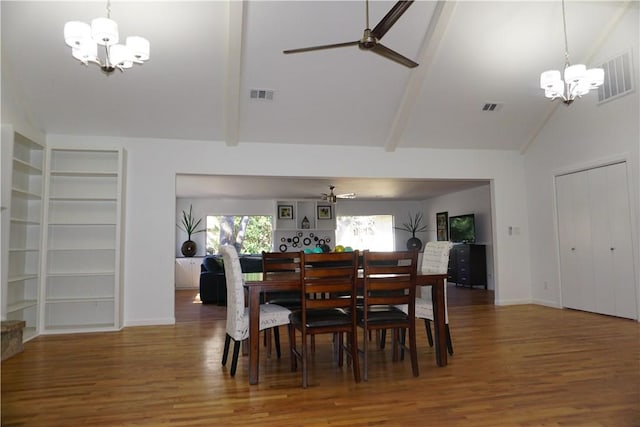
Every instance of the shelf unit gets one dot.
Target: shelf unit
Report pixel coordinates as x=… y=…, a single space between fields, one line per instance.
x=83 y=263
x=23 y=278
x=289 y=234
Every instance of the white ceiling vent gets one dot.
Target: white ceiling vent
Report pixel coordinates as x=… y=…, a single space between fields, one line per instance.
x=491 y=107
x=618 y=78
x=261 y=94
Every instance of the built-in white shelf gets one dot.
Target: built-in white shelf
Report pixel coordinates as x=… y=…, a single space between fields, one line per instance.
x=83 y=216
x=22 y=291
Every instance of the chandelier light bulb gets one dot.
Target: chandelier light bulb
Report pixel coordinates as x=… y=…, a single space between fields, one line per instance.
x=84 y=40
x=575 y=73
x=139 y=47
x=595 y=77
x=76 y=33
x=121 y=56
x=87 y=52
x=104 y=31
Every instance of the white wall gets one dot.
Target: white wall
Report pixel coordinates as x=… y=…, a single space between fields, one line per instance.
x=577 y=137
x=151 y=213
x=476 y=201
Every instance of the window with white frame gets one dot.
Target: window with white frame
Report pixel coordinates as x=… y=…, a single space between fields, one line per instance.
x=373 y=232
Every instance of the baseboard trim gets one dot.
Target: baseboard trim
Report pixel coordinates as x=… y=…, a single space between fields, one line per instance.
x=150 y=322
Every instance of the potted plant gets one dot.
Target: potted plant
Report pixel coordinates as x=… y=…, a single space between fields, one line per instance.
x=413 y=226
x=189 y=225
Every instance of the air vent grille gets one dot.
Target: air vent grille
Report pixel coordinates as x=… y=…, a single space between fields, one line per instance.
x=261 y=94
x=490 y=107
x=618 y=78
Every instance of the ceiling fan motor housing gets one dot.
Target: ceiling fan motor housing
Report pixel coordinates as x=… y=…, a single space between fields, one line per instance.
x=368 y=40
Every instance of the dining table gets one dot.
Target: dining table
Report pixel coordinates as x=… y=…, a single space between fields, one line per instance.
x=257 y=284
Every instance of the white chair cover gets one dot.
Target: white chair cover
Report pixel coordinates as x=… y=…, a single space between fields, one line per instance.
x=271 y=315
x=435 y=260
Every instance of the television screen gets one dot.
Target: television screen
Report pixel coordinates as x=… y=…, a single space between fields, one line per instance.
x=462 y=228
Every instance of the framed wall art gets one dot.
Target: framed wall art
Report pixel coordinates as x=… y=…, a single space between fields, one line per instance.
x=442 y=226
x=324 y=212
x=285 y=211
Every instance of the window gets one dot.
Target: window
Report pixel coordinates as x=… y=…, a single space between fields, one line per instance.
x=373 y=232
x=252 y=234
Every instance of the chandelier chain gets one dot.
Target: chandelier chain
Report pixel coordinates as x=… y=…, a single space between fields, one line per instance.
x=109 y=10
x=566 y=43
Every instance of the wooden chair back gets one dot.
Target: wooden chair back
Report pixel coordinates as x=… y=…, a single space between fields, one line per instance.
x=389 y=278
x=280 y=262
x=327 y=278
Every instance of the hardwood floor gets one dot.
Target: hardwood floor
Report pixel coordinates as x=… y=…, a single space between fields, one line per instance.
x=521 y=365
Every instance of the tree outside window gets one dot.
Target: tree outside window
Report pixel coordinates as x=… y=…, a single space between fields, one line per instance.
x=250 y=234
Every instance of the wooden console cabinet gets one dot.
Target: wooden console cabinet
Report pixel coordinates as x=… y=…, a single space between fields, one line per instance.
x=468 y=265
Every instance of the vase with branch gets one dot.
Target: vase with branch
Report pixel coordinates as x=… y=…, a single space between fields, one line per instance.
x=414 y=226
x=190 y=226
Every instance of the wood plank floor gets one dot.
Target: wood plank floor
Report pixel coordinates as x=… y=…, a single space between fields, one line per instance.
x=513 y=366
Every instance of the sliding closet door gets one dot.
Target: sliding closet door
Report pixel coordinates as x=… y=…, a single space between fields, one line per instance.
x=596 y=253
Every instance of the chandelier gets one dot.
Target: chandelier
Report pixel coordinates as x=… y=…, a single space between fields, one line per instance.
x=84 y=40
x=578 y=80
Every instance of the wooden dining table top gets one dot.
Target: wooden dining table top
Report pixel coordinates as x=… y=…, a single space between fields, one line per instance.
x=286 y=278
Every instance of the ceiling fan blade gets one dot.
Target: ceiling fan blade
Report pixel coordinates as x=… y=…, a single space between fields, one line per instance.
x=346 y=196
x=393 y=55
x=390 y=18
x=326 y=46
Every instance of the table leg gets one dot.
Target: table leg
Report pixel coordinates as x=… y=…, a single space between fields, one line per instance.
x=437 y=296
x=254 y=334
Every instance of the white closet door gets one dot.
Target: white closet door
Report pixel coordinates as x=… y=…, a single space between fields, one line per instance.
x=596 y=251
x=621 y=248
x=600 y=205
x=574 y=221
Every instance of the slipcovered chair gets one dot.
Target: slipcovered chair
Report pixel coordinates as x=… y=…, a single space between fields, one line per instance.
x=435 y=260
x=237 y=329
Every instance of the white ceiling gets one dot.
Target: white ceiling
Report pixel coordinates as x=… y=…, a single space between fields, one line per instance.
x=207 y=55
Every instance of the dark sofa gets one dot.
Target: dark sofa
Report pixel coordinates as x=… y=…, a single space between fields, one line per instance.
x=213 y=284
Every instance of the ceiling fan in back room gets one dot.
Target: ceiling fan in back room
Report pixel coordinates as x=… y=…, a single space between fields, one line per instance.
x=332 y=197
x=371 y=38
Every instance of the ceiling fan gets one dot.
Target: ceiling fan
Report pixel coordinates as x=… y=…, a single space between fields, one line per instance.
x=371 y=38
x=332 y=197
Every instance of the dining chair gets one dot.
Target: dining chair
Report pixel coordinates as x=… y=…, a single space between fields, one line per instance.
x=275 y=262
x=328 y=306
x=389 y=281
x=237 y=328
x=435 y=260
x=279 y=262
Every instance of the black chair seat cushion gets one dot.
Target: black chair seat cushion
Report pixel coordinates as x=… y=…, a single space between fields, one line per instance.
x=290 y=300
x=321 y=318
x=381 y=314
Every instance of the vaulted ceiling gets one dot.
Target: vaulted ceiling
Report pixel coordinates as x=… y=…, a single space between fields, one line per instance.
x=206 y=57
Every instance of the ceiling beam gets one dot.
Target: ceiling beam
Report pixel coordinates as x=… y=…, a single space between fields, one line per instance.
x=234 y=69
x=427 y=53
